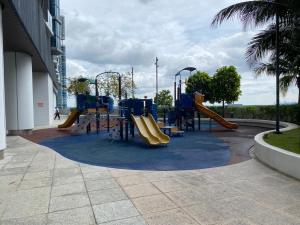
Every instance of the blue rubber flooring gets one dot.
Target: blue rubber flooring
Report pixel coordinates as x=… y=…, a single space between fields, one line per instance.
x=195 y=150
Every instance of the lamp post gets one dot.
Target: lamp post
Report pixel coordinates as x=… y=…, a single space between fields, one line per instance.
x=277 y=74
x=191 y=69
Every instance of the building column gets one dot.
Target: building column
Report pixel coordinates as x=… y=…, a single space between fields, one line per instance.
x=43 y=99
x=18 y=92
x=2 y=93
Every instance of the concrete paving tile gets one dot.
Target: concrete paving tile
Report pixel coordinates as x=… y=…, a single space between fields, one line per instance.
x=292 y=190
x=240 y=207
x=94 y=185
x=205 y=213
x=187 y=197
x=219 y=191
x=245 y=187
x=238 y=222
x=21 y=158
x=97 y=175
x=170 y=217
x=114 y=211
x=141 y=190
x=36 y=183
x=17 y=165
x=107 y=195
x=69 y=202
x=79 y=216
x=123 y=173
x=271 y=182
x=151 y=204
x=67 y=180
x=275 y=200
x=293 y=210
x=195 y=181
x=27 y=203
x=38 y=175
x=92 y=169
x=66 y=172
x=169 y=185
x=34 y=220
x=68 y=189
x=131 y=221
x=131 y=180
x=10 y=183
x=2 y=205
x=157 y=176
x=12 y=171
x=66 y=164
x=274 y=218
x=41 y=166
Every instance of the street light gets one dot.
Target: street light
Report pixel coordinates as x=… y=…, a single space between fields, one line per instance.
x=190 y=69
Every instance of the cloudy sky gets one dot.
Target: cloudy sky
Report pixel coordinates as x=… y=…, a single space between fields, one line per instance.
x=104 y=35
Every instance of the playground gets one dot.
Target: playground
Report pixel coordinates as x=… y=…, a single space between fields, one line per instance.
x=131 y=136
x=115 y=162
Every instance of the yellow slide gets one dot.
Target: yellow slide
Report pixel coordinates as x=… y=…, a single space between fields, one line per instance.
x=211 y=114
x=154 y=129
x=144 y=131
x=71 y=119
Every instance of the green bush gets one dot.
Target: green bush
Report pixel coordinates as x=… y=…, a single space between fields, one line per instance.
x=288 y=113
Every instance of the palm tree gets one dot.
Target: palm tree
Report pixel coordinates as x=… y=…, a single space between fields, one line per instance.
x=262 y=45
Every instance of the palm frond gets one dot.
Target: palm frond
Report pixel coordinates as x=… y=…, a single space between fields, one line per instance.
x=285 y=82
x=250 y=13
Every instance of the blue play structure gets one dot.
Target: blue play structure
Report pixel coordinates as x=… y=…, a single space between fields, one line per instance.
x=137 y=107
x=184 y=109
x=89 y=102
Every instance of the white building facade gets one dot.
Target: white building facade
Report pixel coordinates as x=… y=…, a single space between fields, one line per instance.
x=28 y=84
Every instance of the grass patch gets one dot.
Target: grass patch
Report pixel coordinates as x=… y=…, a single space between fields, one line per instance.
x=289 y=140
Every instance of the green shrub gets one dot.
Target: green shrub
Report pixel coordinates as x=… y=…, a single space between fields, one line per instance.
x=288 y=113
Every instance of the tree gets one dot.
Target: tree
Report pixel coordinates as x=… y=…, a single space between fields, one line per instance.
x=108 y=84
x=76 y=87
x=262 y=12
x=200 y=82
x=164 y=99
x=226 y=85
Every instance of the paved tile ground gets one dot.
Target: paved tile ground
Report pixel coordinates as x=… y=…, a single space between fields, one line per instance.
x=38 y=186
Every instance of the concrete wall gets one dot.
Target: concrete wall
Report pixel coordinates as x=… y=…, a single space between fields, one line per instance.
x=43 y=99
x=18 y=91
x=277 y=158
x=2 y=94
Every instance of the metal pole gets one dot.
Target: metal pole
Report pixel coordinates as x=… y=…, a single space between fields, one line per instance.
x=277 y=74
x=175 y=93
x=97 y=102
x=156 y=67
x=132 y=83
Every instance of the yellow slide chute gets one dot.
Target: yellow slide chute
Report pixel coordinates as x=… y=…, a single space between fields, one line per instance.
x=71 y=119
x=199 y=98
x=149 y=130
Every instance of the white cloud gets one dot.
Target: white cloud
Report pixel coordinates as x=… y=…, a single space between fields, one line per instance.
x=116 y=35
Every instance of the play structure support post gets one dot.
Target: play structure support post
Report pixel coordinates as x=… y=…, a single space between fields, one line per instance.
x=108 y=122
x=175 y=93
x=164 y=115
x=121 y=130
x=199 y=121
x=126 y=129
